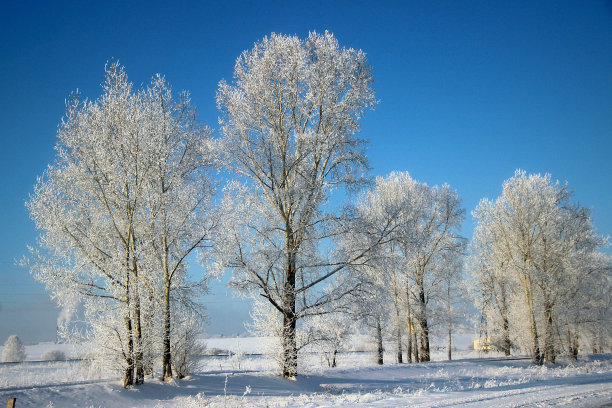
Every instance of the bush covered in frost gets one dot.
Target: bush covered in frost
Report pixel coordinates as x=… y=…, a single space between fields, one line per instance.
x=14 y=350
x=53 y=355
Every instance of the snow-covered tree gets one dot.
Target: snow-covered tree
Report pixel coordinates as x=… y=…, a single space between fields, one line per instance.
x=120 y=209
x=424 y=223
x=370 y=308
x=534 y=242
x=14 y=350
x=492 y=289
x=289 y=122
x=451 y=300
x=178 y=217
x=328 y=334
x=187 y=348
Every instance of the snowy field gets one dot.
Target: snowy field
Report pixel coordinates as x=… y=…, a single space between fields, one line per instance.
x=249 y=381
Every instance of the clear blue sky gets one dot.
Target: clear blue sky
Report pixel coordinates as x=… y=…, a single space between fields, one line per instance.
x=468 y=92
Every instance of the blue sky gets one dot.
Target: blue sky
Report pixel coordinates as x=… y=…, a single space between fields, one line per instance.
x=468 y=91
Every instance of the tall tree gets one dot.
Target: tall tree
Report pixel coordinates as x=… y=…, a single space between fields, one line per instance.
x=178 y=218
x=86 y=204
x=289 y=123
x=123 y=183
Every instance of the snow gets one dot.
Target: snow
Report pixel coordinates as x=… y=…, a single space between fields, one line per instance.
x=249 y=380
x=72 y=351
x=247 y=345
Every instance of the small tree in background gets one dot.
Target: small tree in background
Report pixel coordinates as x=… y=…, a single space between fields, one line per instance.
x=14 y=350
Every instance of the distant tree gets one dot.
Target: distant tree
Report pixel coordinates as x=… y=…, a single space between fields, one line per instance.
x=14 y=350
x=370 y=307
x=329 y=333
x=187 y=349
x=424 y=223
x=289 y=121
x=452 y=300
x=534 y=242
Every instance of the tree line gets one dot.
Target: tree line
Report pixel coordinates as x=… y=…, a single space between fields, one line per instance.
x=132 y=197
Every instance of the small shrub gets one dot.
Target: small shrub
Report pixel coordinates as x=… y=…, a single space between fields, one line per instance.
x=53 y=355
x=14 y=350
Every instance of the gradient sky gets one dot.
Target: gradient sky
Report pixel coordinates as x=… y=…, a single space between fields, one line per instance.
x=468 y=91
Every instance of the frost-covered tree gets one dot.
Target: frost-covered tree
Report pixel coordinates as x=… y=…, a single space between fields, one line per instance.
x=289 y=121
x=86 y=205
x=328 y=334
x=534 y=242
x=424 y=223
x=177 y=219
x=187 y=348
x=488 y=266
x=371 y=308
x=451 y=300
x=14 y=350
x=119 y=210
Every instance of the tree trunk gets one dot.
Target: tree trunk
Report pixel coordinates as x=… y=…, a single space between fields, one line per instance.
x=572 y=344
x=415 y=345
x=505 y=322
x=128 y=375
x=506 y=335
x=410 y=328
x=575 y=348
x=398 y=326
x=333 y=364
x=166 y=354
x=289 y=347
x=549 y=346
x=379 y=341
x=450 y=345
x=289 y=322
x=536 y=358
x=423 y=326
x=138 y=355
x=409 y=342
x=398 y=336
x=450 y=320
x=167 y=351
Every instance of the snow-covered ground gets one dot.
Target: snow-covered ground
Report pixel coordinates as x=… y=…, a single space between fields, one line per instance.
x=249 y=380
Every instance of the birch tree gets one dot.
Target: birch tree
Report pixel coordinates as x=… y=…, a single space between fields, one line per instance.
x=289 y=121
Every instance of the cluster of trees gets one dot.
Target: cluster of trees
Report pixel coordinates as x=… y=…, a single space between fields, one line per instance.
x=542 y=282
x=129 y=200
x=124 y=204
x=416 y=273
